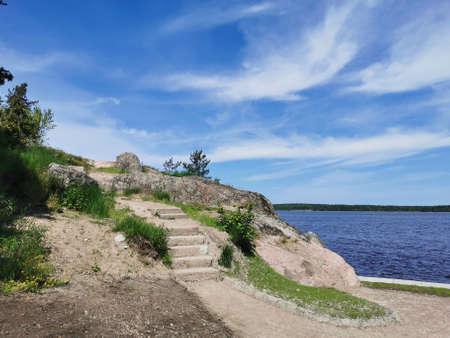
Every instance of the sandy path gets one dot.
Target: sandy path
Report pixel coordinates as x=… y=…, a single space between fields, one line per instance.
x=420 y=315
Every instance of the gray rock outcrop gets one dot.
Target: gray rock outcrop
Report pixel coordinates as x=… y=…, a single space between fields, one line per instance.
x=68 y=174
x=314 y=238
x=129 y=162
x=189 y=189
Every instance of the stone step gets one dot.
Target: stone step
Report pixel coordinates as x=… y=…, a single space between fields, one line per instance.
x=196 y=274
x=192 y=262
x=173 y=216
x=186 y=240
x=183 y=230
x=189 y=250
x=168 y=211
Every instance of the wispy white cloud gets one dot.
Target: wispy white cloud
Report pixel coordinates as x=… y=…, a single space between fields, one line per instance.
x=336 y=151
x=368 y=187
x=17 y=61
x=418 y=57
x=208 y=17
x=100 y=100
x=279 y=73
x=103 y=143
x=218 y=119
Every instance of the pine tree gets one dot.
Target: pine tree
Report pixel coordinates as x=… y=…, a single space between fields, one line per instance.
x=23 y=120
x=198 y=164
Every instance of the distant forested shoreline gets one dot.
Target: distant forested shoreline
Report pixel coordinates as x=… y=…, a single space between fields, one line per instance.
x=346 y=207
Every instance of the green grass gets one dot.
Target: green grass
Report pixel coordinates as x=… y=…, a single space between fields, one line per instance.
x=162 y=195
x=194 y=211
x=39 y=157
x=327 y=301
x=111 y=170
x=136 y=229
x=177 y=173
x=410 y=288
x=23 y=178
x=87 y=198
x=226 y=258
x=131 y=191
x=23 y=259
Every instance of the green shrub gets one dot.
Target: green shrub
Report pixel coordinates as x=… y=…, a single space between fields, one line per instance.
x=239 y=225
x=226 y=258
x=21 y=252
x=161 y=195
x=131 y=191
x=23 y=181
x=87 y=198
x=135 y=227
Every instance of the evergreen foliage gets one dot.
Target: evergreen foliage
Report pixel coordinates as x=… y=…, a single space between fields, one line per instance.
x=23 y=120
x=170 y=166
x=198 y=164
x=5 y=75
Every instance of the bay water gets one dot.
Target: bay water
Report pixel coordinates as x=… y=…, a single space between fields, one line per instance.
x=404 y=245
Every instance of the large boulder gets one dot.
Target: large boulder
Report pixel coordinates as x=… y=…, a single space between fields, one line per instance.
x=129 y=162
x=308 y=263
x=69 y=174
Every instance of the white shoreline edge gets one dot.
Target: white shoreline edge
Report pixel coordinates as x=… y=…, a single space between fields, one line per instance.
x=403 y=282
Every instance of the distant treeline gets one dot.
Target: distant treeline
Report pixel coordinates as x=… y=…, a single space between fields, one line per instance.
x=344 y=207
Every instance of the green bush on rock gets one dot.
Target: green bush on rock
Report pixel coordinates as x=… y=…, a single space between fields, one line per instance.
x=239 y=225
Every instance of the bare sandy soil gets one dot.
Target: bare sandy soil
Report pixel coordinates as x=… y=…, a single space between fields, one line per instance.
x=128 y=297
x=419 y=315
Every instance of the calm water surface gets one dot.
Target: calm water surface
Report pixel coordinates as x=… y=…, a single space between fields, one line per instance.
x=404 y=245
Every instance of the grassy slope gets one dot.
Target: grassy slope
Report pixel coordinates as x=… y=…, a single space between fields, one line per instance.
x=193 y=211
x=410 y=288
x=327 y=301
x=23 y=186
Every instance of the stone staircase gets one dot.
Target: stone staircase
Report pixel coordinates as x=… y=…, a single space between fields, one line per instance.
x=189 y=247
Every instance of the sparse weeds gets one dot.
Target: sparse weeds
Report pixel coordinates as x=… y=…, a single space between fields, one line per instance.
x=23 y=259
x=226 y=258
x=95 y=268
x=146 y=235
x=161 y=195
x=194 y=211
x=131 y=191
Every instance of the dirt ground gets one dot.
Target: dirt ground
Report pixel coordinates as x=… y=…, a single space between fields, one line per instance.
x=419 y=315
x=130 y=296
x=127 y=297
x=156 y=308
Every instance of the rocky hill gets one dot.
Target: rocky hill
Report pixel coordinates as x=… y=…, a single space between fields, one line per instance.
x=301 y=257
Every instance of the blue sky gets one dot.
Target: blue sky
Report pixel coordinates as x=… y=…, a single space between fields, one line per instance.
x=303 y=101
